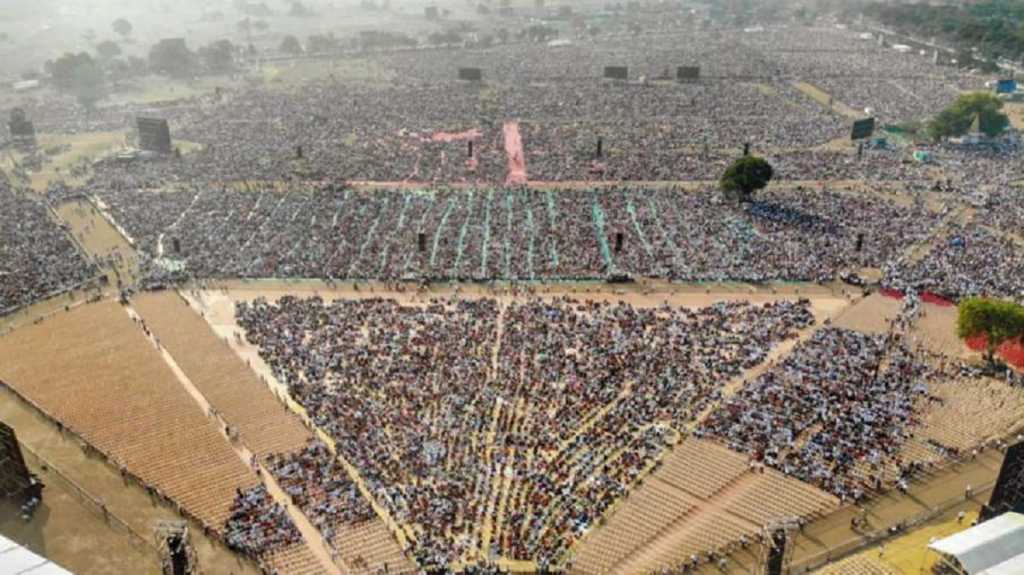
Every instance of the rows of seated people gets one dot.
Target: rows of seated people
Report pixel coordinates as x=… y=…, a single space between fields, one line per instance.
x=329 y=231
x=37 y=257
x=843 y=401
x=532 y=419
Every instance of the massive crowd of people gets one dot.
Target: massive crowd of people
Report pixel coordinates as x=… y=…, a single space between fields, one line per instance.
x=258 y=525
x=446 y=407
x=966 y=261
x=318 y=484
x=834 y=413
x=509 y=429
x=37 y=257
x=318 y=231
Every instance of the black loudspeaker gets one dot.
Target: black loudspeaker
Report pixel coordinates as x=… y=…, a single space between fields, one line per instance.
x=860 y=242
x=177 y=245
x=1008 y=494
x=777 y=553
x=618 y=242
x=179 y=559
x=422 y=237
x=600 y=147
x=469 y=148
x=746 y=149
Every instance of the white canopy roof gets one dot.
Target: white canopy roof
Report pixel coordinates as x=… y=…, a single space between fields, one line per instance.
x=987 y=545
x=1013 y=566
x=18 y=560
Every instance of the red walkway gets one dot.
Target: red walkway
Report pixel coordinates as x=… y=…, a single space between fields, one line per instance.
x=514 y=150
x=1011 y=351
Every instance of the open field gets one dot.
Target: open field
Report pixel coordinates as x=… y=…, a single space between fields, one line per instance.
x=75 y=150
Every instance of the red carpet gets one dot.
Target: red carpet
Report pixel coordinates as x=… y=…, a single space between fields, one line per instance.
x=516 y=159
x=893 y=293
x=935 y=299
x=1012 y=352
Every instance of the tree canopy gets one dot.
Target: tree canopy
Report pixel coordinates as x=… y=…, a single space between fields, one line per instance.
x=122 y=27
x=957 y=119
x=998 y=321
x=995 y=27
x=78 y=74
x=218 y=57
x=173 y=58
x=108 y=49
x=291 y=45
x=745 y=176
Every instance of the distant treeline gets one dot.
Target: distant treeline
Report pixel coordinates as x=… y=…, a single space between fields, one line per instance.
x=995 y=27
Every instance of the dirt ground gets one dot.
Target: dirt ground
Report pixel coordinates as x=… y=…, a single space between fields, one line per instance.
x=73 y=533
x=101 y=240
x=822 y=97
x=81 y=147
x=872 y=314
x=936 y=331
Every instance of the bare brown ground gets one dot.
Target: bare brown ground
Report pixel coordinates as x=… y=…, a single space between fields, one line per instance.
x=93 y=370
x=101 y=240
x=872 y=314
x=822 y=97
x=825 y=299
x=859 y=565
x=74 y=534
x=936 y=331
x=1015 y=110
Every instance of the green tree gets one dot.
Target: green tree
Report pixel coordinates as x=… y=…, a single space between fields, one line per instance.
x=172 y=57
x=290 y=45
x=122 y=27
x=218 y=57
x=80 y=75
x=108 y=49
x=997 y=320
x=957 y=119
x=745 y=176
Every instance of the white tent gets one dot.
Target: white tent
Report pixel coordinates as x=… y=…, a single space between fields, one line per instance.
x=18 y=560
x=1013 y=566
x=987 y=546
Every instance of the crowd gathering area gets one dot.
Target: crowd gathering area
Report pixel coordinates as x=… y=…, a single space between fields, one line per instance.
x=541 y=430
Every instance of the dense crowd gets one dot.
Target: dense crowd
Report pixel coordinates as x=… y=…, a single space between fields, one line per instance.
x=333 y=232
x=258 y=525
x=37 y=257
x=394 y=116
x=444 y=406
x=318 y=484
x=965 y=261
x=834 y=413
